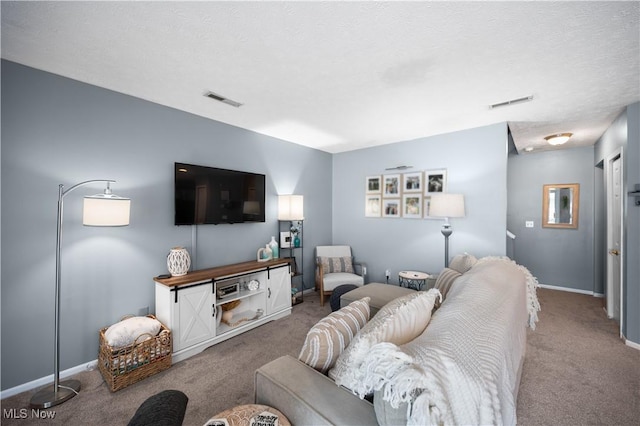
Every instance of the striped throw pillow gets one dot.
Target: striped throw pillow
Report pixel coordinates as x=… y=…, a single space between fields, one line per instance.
x=445 y=281
x=336 y=264
x=398 y=322
x=331 y=335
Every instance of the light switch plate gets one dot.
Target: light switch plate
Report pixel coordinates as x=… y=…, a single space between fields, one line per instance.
x=528 y=224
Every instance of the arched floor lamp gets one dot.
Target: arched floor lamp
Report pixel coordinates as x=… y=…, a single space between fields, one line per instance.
x=104 y=209
x=445 y=206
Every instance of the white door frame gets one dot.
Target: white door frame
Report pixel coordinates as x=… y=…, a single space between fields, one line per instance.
x=608 y=168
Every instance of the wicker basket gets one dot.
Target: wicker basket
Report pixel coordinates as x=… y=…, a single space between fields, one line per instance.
x=147 y=356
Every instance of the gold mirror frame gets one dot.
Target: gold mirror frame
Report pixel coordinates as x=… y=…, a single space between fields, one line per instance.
x=561 y=201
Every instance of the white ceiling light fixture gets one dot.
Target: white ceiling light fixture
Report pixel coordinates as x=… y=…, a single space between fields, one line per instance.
x=558 y=138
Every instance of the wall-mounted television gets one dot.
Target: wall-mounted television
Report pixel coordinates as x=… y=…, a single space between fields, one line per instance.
x=208 y=195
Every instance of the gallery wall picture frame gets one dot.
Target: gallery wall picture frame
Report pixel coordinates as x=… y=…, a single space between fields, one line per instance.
x=373 y=206
x=391 y=185
x=391 y=207
x=435 y=181
x=285 y=239
x=373 y=184
x=412 y=182
x=412 y=206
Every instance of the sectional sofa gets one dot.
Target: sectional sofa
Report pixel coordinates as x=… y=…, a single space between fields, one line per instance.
x=462 y=365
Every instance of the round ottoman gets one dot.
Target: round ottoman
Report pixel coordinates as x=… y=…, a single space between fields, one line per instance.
x=334 y=301
x=249 y=414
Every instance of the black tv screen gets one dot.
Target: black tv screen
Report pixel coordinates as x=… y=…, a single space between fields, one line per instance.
x=208 y=195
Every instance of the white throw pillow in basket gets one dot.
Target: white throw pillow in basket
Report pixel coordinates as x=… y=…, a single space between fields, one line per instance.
x=125 y=332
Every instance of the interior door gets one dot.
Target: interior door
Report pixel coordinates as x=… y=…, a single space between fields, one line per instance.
x=614 y=238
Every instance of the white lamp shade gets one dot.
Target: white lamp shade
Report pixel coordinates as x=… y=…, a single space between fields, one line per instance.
x=103 y=210
x=446 y=205
x=290 y=207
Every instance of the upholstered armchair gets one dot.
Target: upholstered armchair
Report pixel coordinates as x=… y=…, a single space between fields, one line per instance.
x=335 y=266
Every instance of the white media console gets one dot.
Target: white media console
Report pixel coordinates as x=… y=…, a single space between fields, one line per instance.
x=190 y=305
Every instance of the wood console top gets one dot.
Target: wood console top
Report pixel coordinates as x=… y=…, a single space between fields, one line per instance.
x=221 y=272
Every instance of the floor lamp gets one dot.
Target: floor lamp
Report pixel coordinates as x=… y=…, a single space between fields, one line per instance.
x=445 y=206
x=104 y=209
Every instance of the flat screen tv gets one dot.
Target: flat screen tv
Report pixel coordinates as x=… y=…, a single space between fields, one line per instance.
x=208 y=195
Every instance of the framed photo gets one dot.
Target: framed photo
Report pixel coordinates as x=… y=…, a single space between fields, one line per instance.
x=435 y=181
x=285 y=239
x=412 y=182
x=373 y=185
x=412 y=206
x=391 y=208
x=373 y=206
x=392 y=185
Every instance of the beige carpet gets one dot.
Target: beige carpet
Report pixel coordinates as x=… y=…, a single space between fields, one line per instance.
x=577 y=372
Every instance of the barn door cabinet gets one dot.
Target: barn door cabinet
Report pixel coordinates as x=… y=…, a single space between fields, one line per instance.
x=192 y=305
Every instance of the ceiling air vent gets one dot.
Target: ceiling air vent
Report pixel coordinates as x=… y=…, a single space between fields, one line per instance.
x=512 y=102
x=222 y=99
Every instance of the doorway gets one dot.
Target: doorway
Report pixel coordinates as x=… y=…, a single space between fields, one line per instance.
x=614 y=199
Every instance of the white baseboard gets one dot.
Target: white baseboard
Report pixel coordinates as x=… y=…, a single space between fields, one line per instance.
x=571 y=290
x=34 y=384
x=631 y=344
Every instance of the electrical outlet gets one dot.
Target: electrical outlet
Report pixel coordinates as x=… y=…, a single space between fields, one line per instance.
x=528 y=224
x=143 y=311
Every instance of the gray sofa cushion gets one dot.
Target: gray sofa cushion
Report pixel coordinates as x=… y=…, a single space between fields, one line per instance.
x=307 y=397
x=379 y=294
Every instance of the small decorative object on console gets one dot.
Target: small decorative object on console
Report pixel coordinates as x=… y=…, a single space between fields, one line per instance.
x=230 y=305
x=227 y=290
x=253 y=285
x=178 y=261
x=264 y=253
x=273 y=245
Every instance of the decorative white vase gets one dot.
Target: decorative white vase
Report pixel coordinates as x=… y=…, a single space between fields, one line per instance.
x=273 y=245
x=178 y=261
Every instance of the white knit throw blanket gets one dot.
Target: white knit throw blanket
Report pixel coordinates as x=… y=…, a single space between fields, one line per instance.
x=463 y=369
x=533 y=306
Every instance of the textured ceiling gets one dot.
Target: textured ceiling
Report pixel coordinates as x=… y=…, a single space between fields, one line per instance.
x=339 y=76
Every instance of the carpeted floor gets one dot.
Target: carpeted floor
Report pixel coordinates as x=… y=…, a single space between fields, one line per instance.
x=577 y=372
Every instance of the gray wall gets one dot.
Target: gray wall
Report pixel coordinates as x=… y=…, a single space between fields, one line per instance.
x=624 y=133
x=56 y=130
x=557 y=257
x=476 y=163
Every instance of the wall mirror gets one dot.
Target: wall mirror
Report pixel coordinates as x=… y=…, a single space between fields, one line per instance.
x=560 y=205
